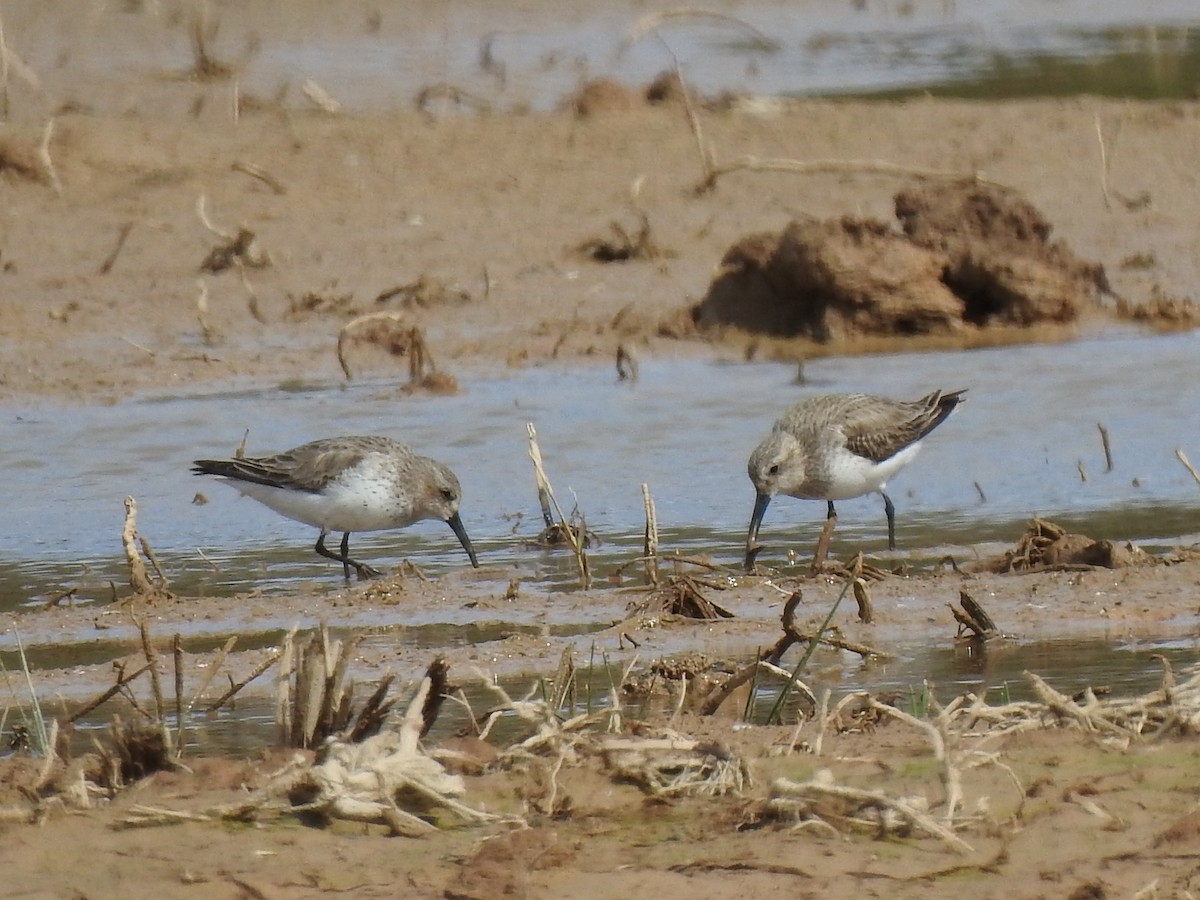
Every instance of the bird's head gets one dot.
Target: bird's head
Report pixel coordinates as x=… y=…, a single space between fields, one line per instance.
x=777 y=465
x=440 y=500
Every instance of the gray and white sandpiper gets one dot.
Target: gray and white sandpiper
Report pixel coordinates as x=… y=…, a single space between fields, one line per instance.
x=838 y=446
x=348 y=484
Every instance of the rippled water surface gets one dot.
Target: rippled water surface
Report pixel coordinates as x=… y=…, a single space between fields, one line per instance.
x=512 y=56
x=1026 y=443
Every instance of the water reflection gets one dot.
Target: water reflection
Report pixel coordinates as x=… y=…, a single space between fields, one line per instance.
x=1068 y=666
x=1026 y=433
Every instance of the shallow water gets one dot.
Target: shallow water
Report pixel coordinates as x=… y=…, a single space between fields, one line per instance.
x=685 y=429
x=915 y=674
x=539 y=53
x=993 y=47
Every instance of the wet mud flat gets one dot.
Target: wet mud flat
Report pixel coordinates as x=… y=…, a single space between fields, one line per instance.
x=1072 y=788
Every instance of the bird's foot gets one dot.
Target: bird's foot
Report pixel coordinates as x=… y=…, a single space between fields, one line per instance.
x=364 y=571
x=751 y=564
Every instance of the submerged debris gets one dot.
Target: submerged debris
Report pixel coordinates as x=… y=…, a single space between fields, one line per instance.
x=1046 y=545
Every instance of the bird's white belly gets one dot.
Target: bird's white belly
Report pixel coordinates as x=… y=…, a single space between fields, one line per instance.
x=852 y=476
x=358 y=507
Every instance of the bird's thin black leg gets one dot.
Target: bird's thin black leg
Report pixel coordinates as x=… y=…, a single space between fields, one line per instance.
x=891 y=517
x=329 y=554
x=346 y=555
x=364 y=571
x=830 y=513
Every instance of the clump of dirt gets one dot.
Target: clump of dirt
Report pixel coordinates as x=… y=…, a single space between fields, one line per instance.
x=1046 y=545
x=999 y=258
x=830 y=280
x=970 y=256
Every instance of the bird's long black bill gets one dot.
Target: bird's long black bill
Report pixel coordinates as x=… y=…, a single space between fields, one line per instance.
x=761 y=502
x=456 y=525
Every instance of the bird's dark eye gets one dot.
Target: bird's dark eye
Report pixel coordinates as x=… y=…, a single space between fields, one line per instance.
x=774 y=470
x=448 y=494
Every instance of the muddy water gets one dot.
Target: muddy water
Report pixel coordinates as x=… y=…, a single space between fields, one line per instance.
x=1025 y=443
x=1000 y=47
x=531 y=55
x=910 y=679
x=1015 y=449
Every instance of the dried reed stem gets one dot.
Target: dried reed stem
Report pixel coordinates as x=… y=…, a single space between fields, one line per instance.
x=138 y=579
x=651 y=537
x=46 y=161
x=111 y=259
x=235 y=688
x=1187 y=465
x=1103 y=162
x=177 y=654
x=546 y=493
x=97 y=701
x=1108 y=460
x=834 y=167
x=213 y=668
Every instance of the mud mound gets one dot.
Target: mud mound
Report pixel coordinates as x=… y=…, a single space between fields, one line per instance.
x=999 y=258
x=833 y=279
x=1047 y=545
x=970 y=256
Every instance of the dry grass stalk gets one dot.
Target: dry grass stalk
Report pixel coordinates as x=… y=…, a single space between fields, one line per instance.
x=235 y=248
x=576 y=536
x=11 y=63
x=160 y=706
x=973 y=618
x=830 y=637
x=111 y=259
x=385 y=780
x=318 y=703
x=1171 y=710
x=180 y=722
x=260 y=174
x=46 y=161
x=206 y=67
x=936 y=733
x=211 y=671
x=1182 y=457
x=832 y=167
x=431 y=94
x=627 y=364
x=681 y=596
x=320 y=97
x=717 y=698
x=1108 y=460
x=862 y=596
x=236 y=687
x=676 y=766
x=623 y=245
x=123 y=680
x=650 y=546
x=652 y=23
x=139 y=580
x=822 y=799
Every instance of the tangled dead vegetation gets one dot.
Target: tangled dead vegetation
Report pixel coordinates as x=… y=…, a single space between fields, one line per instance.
x=624 y=244
x=1046 y=546
x=960 y=736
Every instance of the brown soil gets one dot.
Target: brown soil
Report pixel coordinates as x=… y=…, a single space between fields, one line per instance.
x=470 y=228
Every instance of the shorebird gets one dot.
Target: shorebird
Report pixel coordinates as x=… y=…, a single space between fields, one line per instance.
x=838 y=446
x=348 y=484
